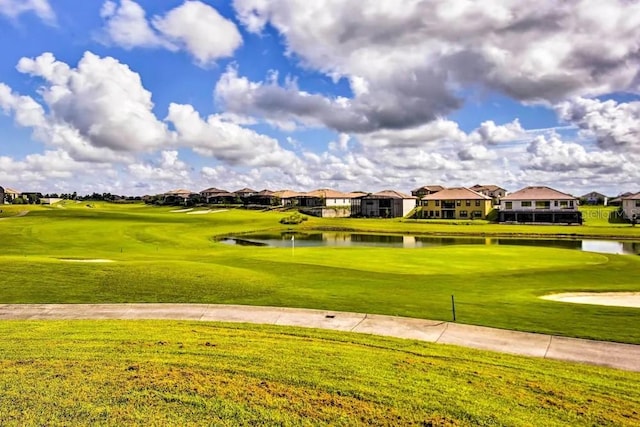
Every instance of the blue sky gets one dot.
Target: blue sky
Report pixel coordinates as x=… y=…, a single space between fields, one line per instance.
x=140 y=97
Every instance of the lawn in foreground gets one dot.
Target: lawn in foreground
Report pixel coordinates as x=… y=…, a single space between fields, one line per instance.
x=162 y=256
x=195 y=373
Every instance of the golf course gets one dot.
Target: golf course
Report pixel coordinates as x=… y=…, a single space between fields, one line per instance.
x=178 y=371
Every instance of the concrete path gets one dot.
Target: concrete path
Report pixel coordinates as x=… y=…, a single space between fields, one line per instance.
x=615 y=355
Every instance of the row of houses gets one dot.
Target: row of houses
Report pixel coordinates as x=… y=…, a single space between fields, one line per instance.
x=536 y=204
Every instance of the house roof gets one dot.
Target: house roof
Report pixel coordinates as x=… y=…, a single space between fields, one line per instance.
x=429 y=188
x=245 y=190
x=489 y=187
x=389 y=194
x=8 y=190
x=214 y=190
x=265 y=193
x=631 y=197
x=456 y=193
x=177 y=192
x=327 y=193
x=539 y=193
x=592 y=193
x=286 y=194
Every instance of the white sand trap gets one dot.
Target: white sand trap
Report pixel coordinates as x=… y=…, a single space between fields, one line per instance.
x=85 y=260
x=206 y=212
x=617 y=299
x=181 y=210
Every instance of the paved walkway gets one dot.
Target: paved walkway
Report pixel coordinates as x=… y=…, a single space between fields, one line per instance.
x=621 y=356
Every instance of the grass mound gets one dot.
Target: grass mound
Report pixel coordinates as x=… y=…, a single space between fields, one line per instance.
x=190 y=373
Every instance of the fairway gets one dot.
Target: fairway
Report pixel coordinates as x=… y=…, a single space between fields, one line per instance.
x=156 y=255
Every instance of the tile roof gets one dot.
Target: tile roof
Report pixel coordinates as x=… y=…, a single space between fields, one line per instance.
x=429 y=188
x=286 y=194
x=8 y=190
x=179 y=191
x=539 y=193
x=490 y=187
x=214 y=190
x=631 y=197
x=389 y=194
x=245 y=190
x=265 y=193
x=326 y=193
x=456 y=193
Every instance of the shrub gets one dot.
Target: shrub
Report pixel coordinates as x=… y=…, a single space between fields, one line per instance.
x=295 y=218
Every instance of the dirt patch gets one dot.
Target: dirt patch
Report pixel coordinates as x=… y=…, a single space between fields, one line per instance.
x=616 y=299
x=85 y=260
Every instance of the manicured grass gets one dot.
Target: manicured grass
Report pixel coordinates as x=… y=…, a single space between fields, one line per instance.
x=194 y=373
x=172 y=257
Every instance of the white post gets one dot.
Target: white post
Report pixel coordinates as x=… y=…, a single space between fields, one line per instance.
x=293 y=245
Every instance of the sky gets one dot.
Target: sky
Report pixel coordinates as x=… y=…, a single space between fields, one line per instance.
x=142 y=97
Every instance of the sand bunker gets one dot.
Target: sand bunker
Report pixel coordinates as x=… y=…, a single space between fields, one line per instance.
x=181 y=210
x=85 y=260
x=206 y=212
x=617 y=299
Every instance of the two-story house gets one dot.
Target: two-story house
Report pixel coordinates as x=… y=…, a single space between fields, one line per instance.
x=540 y=205
x=456 y=203
x=631 y=206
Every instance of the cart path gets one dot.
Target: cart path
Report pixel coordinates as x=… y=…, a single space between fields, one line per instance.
x=615 y=355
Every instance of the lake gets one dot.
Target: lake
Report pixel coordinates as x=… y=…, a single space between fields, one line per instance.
x=311 y=239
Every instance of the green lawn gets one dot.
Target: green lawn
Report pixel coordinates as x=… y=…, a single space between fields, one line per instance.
x=162 y=256
x=195 y=373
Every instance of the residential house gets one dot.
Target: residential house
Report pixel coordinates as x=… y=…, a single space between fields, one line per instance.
x=263 y=198
x=326 y=203
x=287 y=197
x=631 y=206
x=493 y=191
x=383 y=204
x=8 y=195
x=245 y=193
x=426 y=189
x=217 y=196
x=617 y=201
x=177 y=196
x=594 y=198
x=456 y=203
x=540 y=205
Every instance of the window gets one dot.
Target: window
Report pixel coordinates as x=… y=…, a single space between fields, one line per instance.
x=437 y=213
x=468 y=203
x=437 y=202
x=525 y=204
x=555 y=203
x=477 y=202
x=508 y=205
x=570 y=203
x=564 y=203
x=464 y=214
x=430 y=213
x=543 y=204
x=637 y=203
x=458 y=202
x=476 y=214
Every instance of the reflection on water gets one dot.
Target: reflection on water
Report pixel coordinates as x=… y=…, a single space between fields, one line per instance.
x=407 y=241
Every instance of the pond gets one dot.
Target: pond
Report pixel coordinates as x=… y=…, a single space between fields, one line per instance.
x=310 y=239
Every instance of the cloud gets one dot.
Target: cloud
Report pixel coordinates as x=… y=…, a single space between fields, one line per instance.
x=490 y=133
x=102 y=101
x=615 y=126
x=193 y=26
x=126 y=26
x=169 y=169
x=42 y=8
x=201 y=30
x=226 y=141
x=408 y=65
x=394 y=104
x=553 y=155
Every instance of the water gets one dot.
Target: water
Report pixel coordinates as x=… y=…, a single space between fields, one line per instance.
x=409 y=241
